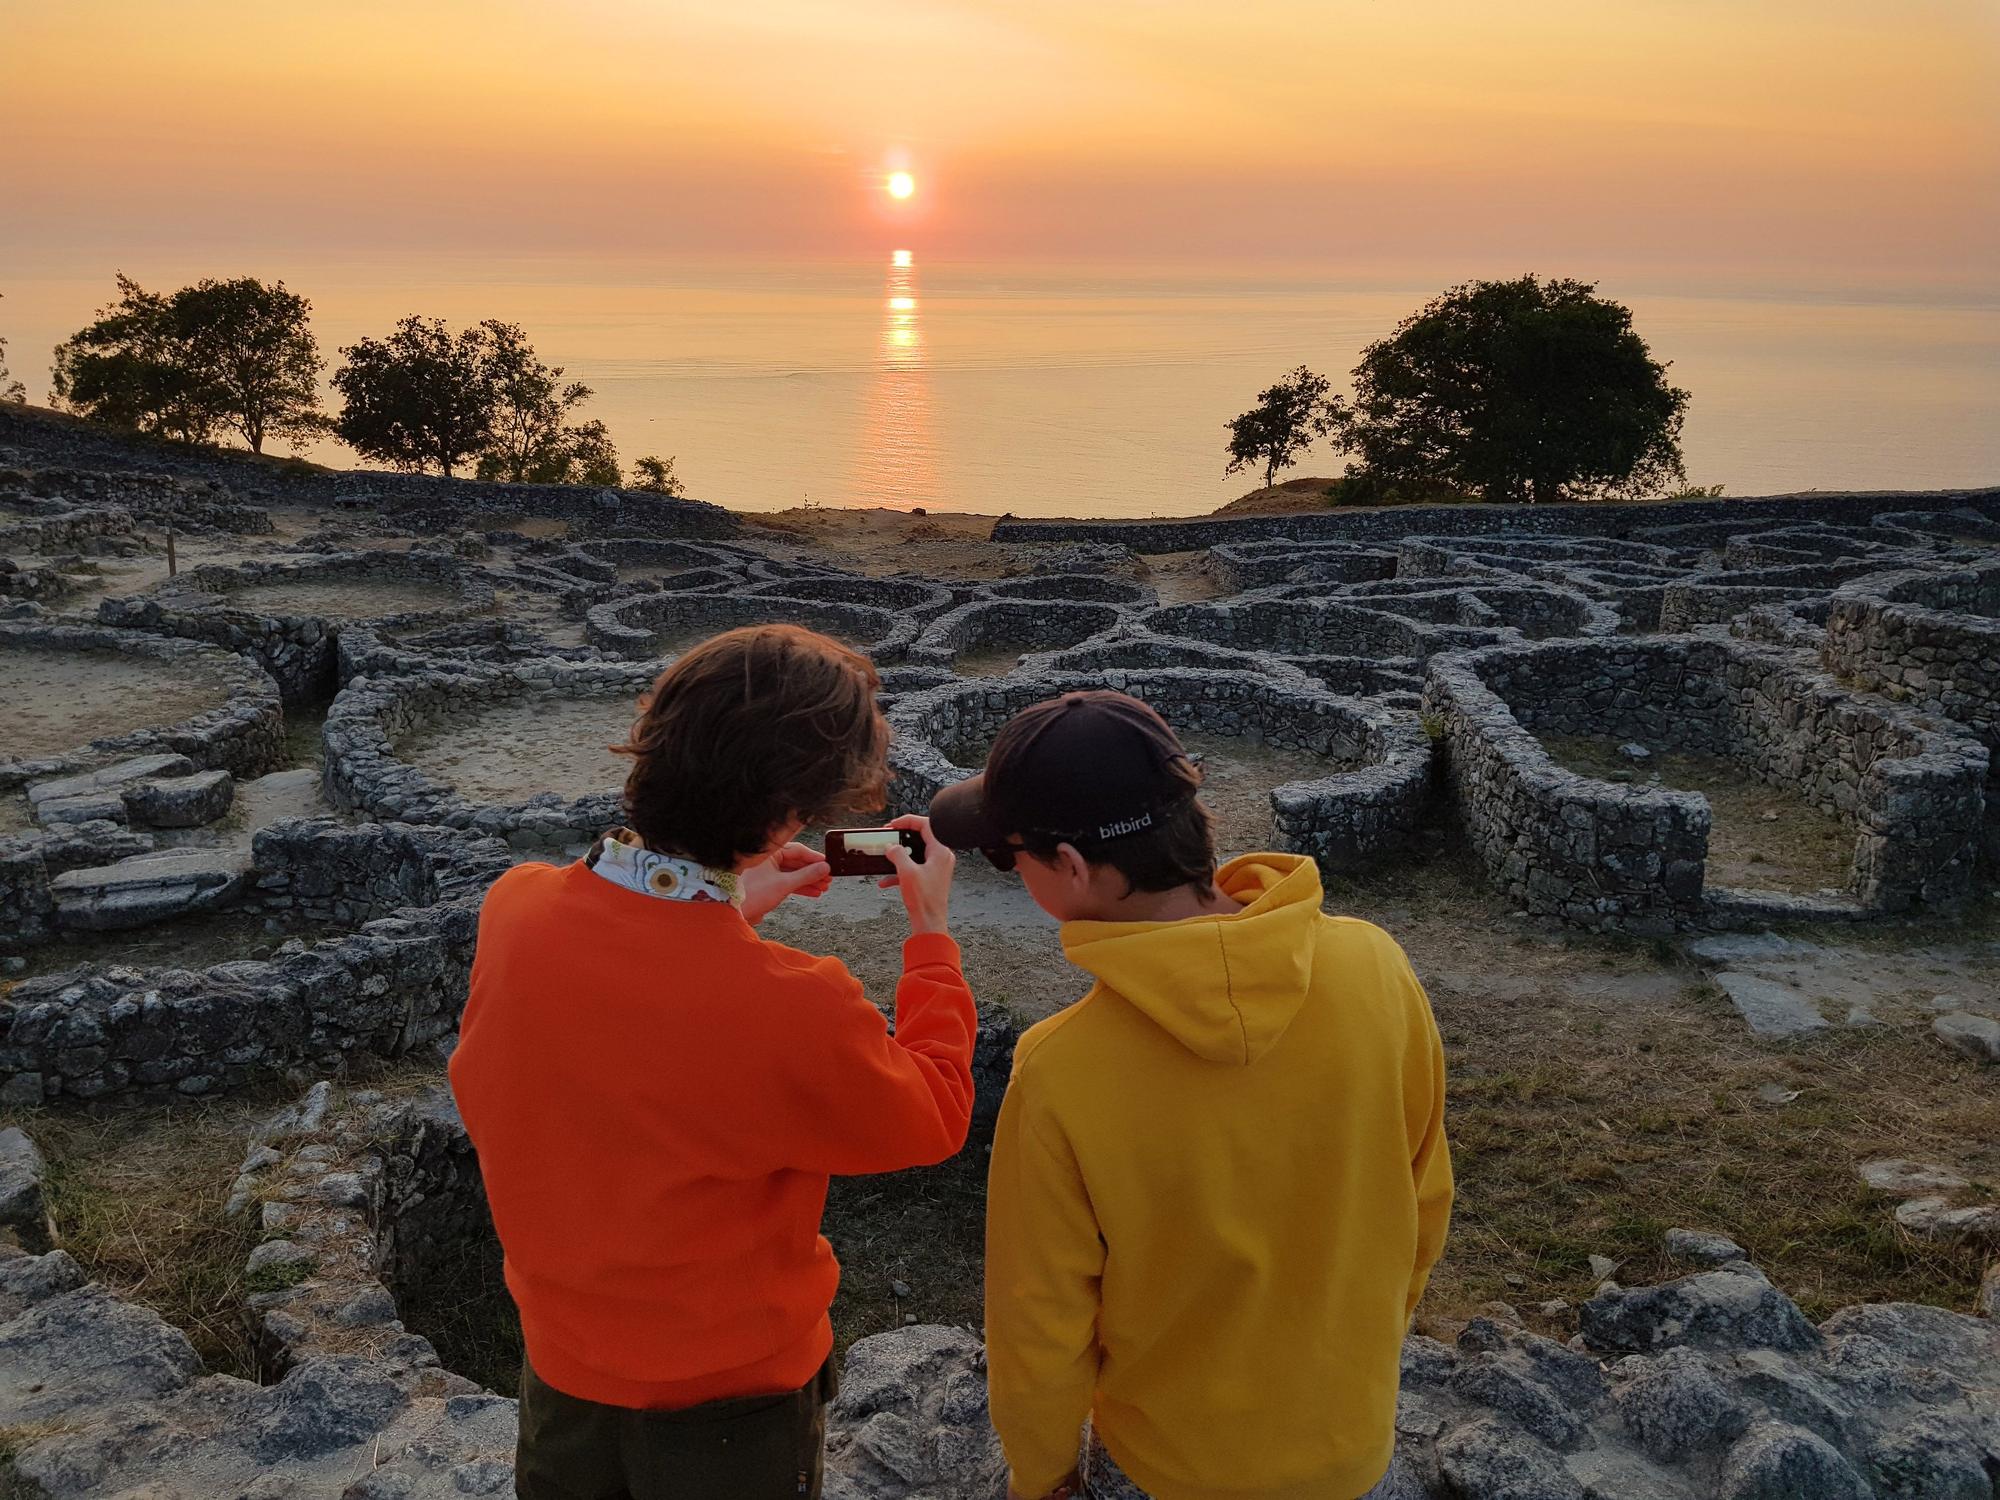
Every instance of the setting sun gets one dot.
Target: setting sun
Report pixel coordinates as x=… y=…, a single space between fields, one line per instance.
x=901 y=184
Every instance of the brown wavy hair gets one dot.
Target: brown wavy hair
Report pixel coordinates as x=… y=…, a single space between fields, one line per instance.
x=749 y=729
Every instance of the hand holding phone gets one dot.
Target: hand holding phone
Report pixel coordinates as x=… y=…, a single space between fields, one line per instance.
x=922 y=880
x=865 y=851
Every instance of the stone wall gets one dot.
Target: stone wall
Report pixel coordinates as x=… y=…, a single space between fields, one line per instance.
x=245 y=736
x=1011 y=624
x=395 y=984
x=1307 y=627
x=1393 y=523
x=641 y=627
x=301 y=652
x=1609 y=856
x=363 y=771
x=1365 y=809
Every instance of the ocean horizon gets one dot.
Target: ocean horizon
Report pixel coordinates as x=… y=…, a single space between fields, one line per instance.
x=1093 y=390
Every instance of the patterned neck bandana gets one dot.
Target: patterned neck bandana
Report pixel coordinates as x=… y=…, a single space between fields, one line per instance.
x=621 y=859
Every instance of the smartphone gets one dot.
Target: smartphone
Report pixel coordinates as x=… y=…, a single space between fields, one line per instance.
x=858 y=851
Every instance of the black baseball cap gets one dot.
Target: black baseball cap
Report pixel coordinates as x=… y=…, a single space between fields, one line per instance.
x=1085 y=768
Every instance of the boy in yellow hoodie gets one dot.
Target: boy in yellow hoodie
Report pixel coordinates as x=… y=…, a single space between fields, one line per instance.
x=1220 y=1180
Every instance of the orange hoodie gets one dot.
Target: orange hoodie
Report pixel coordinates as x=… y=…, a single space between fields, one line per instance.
x=657 y=1096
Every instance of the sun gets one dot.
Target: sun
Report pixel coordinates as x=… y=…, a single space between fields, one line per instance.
x=901 y=184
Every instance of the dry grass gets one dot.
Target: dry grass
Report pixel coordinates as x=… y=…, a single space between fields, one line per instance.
x=136 y=1193
x=925 y=1229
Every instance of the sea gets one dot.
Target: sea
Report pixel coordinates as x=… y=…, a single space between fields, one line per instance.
x=1093 y=390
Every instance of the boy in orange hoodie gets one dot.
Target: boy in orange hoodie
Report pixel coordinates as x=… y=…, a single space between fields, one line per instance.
x=1220 y=1180
x=657 y=1095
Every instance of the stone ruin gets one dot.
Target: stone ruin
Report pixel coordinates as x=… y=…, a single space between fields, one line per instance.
x=1396 y=670
x=1710 y=1386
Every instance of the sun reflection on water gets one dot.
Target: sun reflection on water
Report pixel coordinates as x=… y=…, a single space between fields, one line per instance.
x=897 y=461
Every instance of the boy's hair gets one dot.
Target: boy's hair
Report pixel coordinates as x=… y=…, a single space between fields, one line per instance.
x=748 y=729
x=1178 y=850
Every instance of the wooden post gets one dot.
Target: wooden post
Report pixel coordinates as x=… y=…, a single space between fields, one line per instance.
x=172 y=564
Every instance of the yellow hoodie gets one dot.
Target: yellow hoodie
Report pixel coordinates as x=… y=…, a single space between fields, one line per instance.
x=1219 y=1184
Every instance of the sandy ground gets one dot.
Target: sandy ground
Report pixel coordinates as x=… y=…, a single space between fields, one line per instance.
x=516 y=747
x=356 y=599
x=60 y=700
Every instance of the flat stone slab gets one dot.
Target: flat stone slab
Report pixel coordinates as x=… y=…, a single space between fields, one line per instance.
x=1977 y=1037
x=111 y=778
x=1772 y=1009
x=1894 y=1175
x=81 y=1351
x=148 y=888
x=85 y=807
x=1743 y=947
x=180 y=801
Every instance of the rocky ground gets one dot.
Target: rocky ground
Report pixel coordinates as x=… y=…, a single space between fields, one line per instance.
x=1728 y=1201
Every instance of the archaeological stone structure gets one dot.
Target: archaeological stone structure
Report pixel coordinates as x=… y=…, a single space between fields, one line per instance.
x=251 y=800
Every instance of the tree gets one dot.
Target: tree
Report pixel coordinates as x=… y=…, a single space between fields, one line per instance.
x=577 y=455
x=10 y=389
x=252 y=346
x=421 y=396
x=528 y=432
x=1288 y=419
x=133 y=368
x=1515 y=390
x=656 y=475
x=219 y=355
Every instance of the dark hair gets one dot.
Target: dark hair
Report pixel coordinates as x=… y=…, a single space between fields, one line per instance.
x=1179 y=849
x=748 y=729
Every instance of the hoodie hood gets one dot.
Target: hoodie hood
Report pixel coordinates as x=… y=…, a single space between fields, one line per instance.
x=1225 y=987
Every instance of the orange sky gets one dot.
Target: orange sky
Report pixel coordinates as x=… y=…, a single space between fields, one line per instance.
x=1796 y=137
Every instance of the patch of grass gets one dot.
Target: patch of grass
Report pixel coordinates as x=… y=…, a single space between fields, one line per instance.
x=925 y=1229
x=136 y=1194
x=278 y=1275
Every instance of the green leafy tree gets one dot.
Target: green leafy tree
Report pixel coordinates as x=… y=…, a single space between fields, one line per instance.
x=252 y=346
x=656 y=475
x=1287 y=420
x=530 y=437
x=10 y=389
x=582 y=454
x=133 y=368
x=219 y=356
x=1520 y=390
x=422 y=396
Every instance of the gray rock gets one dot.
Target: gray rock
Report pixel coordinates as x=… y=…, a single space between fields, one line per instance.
x=1636 y=753
x=1894 y=1175
x=91 y=807
x=1486 y=1460
x=148 y=888
x=181 y=801
x=1674 y=1405
x=78 y=1352
x=1771 y=1008
x=1935 y=1219
x=21 y=1205
x=1702 y=1246
x=1729 y=1308
x=1782 y=1463
x=1742 y=947
x=911 y=1420
x=112 y=778
x=1987 y=1300
x=1978 y=1037
x=320 y=1406
x=1933 y=1459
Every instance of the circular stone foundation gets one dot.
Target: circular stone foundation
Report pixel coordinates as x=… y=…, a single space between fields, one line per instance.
x=74 y=695
x=1306 y=627
x=289 y=614
x=1089 y=588
x=988 y=637
x=521 y=752
x=1623 y=854
x=1298 y=769
x=650 y=626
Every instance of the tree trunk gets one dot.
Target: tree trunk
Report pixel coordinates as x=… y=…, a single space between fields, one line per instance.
x=1270 y=472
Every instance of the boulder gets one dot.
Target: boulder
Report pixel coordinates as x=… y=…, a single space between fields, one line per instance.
x=109 y=779
x=1730 y=1308
x=21 y=1207
x=1703 y=1247
x=180 y=801
x=1775 y=1462
x=1675 y=1405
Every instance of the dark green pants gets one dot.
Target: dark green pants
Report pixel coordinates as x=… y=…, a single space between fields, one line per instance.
x=753 y=1448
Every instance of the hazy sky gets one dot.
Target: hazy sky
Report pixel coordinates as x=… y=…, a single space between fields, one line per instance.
x=1803 y=138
